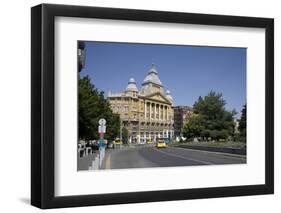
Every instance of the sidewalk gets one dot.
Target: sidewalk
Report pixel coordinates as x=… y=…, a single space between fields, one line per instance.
x=83 y=163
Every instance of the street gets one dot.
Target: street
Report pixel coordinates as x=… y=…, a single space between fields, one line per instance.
x=143 y=157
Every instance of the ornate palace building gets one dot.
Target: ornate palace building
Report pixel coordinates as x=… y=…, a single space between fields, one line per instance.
x=146 y=113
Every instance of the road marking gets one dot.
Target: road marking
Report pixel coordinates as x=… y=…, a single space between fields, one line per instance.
x=107 y=162
x=191 y=159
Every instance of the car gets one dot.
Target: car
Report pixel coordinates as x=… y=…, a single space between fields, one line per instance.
x=149 y=142
x=161 y=144
x=94 y=145
x=118 y=142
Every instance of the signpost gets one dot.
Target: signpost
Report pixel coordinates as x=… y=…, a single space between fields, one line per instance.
x=102 y=122
x=102 y=130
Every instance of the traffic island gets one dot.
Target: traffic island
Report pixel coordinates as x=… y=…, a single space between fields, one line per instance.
x=230 y=148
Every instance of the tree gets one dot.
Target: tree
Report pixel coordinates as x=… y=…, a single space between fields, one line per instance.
x=210 y=119
x=193 y=128
x=243 y=123
x=92 y=107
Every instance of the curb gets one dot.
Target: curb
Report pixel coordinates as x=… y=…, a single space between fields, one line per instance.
x=233 y=151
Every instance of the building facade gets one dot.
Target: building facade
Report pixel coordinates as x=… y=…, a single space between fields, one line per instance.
x=181 y=115
x=81 y=54
x=147 y=113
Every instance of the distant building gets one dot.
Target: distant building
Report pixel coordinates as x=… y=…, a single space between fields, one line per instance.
x=181 y=115
x=236 y=126
x=148 y=113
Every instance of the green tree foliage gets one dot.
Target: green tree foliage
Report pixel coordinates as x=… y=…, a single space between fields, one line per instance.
x=92 y=107
x=194 y=127
x=210 y=119
x=243 y=123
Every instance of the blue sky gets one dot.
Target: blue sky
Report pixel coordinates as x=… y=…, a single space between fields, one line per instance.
x=187 y=71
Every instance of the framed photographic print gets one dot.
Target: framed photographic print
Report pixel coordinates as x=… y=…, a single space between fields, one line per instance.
x=141 y=106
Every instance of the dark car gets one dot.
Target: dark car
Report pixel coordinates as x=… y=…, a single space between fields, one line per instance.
x=95 y=145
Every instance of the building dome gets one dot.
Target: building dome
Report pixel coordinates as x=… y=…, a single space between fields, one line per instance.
x=169 y=95
x=152 y=77
x=132 y=86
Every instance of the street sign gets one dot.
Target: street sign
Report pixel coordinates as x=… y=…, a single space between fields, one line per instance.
x=102 y=129
x=102 y=122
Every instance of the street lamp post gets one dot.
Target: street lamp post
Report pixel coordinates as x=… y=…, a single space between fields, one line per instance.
x=120 y=128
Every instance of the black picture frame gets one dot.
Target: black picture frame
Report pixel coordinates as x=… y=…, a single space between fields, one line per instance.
x=43 y=105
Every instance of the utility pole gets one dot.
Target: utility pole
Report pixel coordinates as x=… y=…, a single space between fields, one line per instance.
x=120 y=128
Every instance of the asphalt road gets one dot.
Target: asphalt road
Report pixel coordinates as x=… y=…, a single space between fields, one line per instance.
x=143 y=157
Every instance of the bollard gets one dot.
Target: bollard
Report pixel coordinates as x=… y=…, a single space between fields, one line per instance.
x=101 y=155
x=96 y=163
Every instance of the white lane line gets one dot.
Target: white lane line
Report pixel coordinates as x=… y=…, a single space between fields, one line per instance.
x=191 y=159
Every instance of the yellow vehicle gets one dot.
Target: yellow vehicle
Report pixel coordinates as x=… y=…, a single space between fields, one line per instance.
x=149 y=142
x=161 y=144
x=118 y=142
